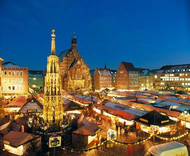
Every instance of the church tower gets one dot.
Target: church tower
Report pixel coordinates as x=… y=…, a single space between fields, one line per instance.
x=74 y=43
x=53 y=103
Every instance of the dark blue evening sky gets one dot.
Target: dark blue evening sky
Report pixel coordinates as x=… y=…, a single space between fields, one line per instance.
x=148 y=33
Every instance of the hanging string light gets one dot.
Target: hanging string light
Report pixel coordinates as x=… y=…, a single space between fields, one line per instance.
x=100 y=144
x=173 y=138
x=125 y=143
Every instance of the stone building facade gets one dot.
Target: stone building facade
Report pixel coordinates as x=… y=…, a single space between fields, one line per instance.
x=172 y=77
x=127 y=77
x=14 y=80
x=145 y=79
x=74 y=71
x=102 y=79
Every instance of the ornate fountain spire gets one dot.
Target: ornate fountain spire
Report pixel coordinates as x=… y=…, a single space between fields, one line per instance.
x=53 y=42
x=53 y=103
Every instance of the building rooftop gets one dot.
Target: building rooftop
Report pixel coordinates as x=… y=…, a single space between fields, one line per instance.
x=89 y=129
x=173 y=68
x=178 y=66
x=17 y=102
x=9 y=64
x=124 y=108
x=155 y=118
x=63 y=54
x=9 y=126
x=104 y=72
x=32 y=105
x=16 y=138
x=129 y=66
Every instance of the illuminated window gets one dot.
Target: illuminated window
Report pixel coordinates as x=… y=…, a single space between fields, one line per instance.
x=17 y=73
x=155 y=76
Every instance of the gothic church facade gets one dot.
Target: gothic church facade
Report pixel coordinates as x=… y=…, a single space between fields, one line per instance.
x=74 y=71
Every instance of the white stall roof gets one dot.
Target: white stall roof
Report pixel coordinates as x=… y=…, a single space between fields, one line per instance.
x=124 y=108
x=171 y=148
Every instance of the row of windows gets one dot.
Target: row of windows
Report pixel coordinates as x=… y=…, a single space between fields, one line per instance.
x=13 y=80
x=13 y=73
x=133 y=75
x=105 y=78
x=133 y=82
x=181 y=74
x=12 y=88
x=175 y=79
x=184 y=84
x=134 y=79
x=177 y=70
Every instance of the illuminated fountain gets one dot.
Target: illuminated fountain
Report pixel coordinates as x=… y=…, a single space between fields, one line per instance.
x=52 y=119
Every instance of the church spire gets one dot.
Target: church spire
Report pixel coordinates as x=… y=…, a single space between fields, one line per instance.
x=53 y=42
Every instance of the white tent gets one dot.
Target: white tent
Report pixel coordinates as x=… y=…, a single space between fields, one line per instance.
x=169 y=149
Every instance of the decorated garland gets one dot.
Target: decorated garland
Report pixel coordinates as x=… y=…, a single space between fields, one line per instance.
x=124 y=143
x=84 y=150
x=132 y=143
x=173 y=138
